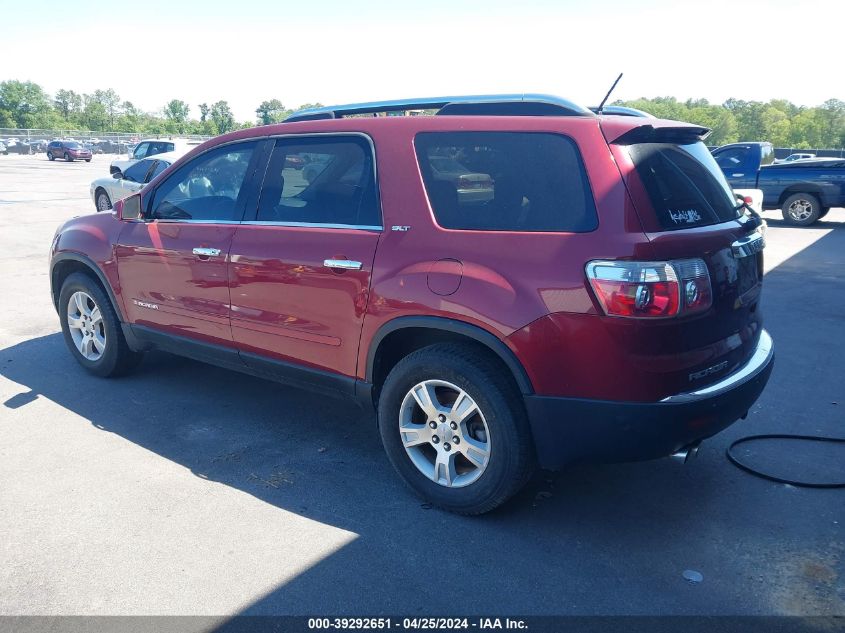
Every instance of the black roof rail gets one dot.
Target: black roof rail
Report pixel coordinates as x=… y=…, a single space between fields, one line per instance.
x=493 y=105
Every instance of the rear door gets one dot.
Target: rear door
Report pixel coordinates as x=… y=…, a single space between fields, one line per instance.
x=689 y=211
x=300 y=271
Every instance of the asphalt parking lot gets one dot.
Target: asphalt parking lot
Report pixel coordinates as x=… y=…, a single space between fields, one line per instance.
x=187 y=489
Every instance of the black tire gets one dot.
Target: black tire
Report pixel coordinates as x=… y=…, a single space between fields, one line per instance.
x=68 y=158
x=801 y=209
x=117 y=359
x=50 y=156
x=102 y=201
x=87 y=160
x=511 y=456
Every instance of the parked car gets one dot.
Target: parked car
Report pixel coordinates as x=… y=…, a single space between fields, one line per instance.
x=151 y=147
x=18 y=147
x=794 y=157
x=3 y=149
x=471 y=187
x=106 y=191
x=68 y=150
x=804 y=190
x=603 y=305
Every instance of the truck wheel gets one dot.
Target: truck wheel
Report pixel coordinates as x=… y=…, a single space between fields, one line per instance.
x=92 y=330
x=454 y=428
x=801 y=209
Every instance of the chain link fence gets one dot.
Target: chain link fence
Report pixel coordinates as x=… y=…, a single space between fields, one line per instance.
x=32 y=141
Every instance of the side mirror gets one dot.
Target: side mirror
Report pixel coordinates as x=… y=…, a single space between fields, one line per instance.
x=129 y=208
x=117 y=175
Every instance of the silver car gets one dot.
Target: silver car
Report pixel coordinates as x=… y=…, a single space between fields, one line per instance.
x=106 y=191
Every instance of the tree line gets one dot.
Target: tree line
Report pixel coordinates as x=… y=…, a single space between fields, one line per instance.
x=780 y=122
x=24 y=104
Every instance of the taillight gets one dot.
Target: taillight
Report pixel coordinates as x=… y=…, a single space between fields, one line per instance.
x=651 y=289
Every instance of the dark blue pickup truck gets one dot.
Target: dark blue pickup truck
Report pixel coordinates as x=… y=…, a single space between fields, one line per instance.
x=804 y=190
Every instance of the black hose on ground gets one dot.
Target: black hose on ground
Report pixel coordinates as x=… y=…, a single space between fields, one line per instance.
x=801 y=484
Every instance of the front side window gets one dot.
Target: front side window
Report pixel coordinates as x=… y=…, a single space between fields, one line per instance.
x=138 y=171
x=506 y=181
x=685 y=185
x=207 y=188
x=325 y=180
x=141 y=150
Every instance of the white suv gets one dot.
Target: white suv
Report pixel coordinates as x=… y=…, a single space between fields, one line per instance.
x=151 y=147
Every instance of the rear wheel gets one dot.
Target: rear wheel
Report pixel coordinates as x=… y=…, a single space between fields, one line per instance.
x=103 y=202
x=454 y=428
x=92 y=330
x=801 y=209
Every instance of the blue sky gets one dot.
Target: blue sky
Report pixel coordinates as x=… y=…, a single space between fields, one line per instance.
x=247 y=51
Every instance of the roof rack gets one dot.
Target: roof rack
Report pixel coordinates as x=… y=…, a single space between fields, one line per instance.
x=492 y=105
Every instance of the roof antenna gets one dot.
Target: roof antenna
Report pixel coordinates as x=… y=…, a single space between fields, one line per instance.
x=603 y=101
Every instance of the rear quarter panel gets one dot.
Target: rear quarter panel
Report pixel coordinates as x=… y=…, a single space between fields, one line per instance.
x=508 y=279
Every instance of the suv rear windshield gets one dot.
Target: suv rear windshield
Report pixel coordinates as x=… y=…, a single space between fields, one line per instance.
x=685 y=185
x=506 y=181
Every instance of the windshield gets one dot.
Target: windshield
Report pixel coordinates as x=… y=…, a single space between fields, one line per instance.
x=73 y=145
x=685 y=185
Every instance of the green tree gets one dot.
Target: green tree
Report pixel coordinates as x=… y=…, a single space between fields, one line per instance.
x=271 y=112
x=68 y=104
x=22 y=102
x=176 y=112
x=110 y=101
x=222 y=117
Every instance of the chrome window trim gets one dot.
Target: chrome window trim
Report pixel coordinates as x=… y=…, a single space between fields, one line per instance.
x=181 y=221
x=319 y=225
x=274 y=137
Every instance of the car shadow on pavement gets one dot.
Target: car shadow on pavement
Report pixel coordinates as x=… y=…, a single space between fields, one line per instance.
x=610 y=539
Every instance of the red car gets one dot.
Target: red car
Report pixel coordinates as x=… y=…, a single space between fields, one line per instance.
x=602 y=303
x=68 y=150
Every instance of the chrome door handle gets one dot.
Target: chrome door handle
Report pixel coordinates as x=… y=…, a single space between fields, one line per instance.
x=344 y=264
x=207 y=252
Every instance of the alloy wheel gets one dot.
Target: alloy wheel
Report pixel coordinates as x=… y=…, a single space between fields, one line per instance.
x=800 y=210
x=444 y=433
x=85 y=322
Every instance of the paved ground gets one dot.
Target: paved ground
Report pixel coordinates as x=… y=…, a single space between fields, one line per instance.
x=188 y=489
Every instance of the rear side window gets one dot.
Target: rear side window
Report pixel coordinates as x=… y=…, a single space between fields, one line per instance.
x=321 y=180
x=506 y=181
x=685 y=185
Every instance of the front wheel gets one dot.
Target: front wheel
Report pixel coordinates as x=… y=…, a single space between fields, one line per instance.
x=68 y=158
x=103 y=202
x=801 y=209
x=50 y=156
x=87 y=160
x=454 y=428
x=92 y=330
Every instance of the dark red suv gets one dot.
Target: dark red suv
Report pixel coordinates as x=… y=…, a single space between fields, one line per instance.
x=572 y=287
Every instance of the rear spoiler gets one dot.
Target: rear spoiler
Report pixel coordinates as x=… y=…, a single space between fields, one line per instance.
x=618 y=133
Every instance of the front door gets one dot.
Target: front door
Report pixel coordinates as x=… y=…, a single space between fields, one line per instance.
x=173 y=265
x=300 y=271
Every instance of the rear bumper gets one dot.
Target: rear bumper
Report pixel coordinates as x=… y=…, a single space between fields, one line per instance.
x=570 y=429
